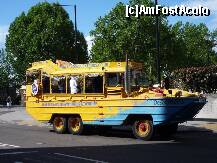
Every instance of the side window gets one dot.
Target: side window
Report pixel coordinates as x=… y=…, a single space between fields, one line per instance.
x=75 y=84
x=46 y=83
x=58 y=84
x=114 y=79
x=93 y=83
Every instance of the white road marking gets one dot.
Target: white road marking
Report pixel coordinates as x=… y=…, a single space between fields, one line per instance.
x=40 y=143
x=8 y=145
x=3 y=145
x=81 y=158
x=15 y=153
x=15 y=146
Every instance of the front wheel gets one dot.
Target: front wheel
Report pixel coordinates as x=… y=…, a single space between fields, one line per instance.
x=75 y=125
x=143 y=129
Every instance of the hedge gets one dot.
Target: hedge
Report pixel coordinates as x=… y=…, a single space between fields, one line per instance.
x=199 y=79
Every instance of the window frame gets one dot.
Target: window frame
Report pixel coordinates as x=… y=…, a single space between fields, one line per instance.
x=103 y=84
x=69 y=75
x=51 y=77
x=43 y=85
x=106 y=79
x=84 y=85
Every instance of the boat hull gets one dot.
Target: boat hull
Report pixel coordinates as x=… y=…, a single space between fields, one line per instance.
x=117 y=111
x=162 y=111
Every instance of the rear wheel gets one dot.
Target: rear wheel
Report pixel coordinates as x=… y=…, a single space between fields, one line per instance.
x=75 y=125
x=143 y=129
x=60 y=124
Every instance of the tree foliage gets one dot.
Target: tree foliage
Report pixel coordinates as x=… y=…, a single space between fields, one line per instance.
x=8 y=77
x=45 y=32
x=181 y=45
x=4 y=77
x=197 y=43
x=114 y=35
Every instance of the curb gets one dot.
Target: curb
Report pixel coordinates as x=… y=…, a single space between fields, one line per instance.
x=26 y=123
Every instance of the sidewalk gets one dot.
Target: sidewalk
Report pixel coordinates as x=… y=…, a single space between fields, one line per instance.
x=198 y=125
x=19 y=116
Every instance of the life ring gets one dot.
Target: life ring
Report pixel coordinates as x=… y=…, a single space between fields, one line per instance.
x=34 y=89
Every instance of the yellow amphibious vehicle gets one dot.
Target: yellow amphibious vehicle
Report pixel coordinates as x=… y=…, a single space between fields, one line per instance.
x=73 y=96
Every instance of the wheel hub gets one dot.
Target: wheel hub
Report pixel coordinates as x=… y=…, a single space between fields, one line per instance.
x=75 y=124
x=142 y=128
x=59 y=123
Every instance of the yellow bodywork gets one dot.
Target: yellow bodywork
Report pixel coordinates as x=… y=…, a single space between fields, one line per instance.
x=90 y=106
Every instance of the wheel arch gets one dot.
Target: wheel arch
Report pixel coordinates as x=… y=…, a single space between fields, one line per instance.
x=61 y=114
x=131 y=118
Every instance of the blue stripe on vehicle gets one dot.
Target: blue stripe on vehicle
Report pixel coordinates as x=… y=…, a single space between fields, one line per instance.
x=160 y=111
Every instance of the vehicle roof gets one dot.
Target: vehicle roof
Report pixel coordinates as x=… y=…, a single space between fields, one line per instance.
x=63 y=67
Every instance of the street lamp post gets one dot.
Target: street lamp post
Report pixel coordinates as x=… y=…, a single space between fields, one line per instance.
x=75 y=10
x=75 y=13
x=158 y=48
x=75 y=24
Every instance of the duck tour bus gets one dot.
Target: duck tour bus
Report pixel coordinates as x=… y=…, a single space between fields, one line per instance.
x=72 y=97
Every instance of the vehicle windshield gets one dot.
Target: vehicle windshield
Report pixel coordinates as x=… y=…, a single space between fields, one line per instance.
x=138 y=78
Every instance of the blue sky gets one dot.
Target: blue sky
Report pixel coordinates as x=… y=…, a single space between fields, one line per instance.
x=89 y=10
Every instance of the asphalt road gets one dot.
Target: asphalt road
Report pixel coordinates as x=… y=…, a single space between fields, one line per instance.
x=21 y=144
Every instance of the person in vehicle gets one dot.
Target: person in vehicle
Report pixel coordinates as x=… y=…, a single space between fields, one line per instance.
x=61 y=86
x=73 y=85
x=46 y=84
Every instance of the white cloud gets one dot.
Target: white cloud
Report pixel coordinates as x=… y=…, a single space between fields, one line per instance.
x=211 y=4
x=3 y=33
x=89 y=40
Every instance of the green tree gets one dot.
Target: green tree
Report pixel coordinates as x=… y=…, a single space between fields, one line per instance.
x=114 y=35
x=4 y=70
x=181 y=45
x=45 y=32
x=196 y=42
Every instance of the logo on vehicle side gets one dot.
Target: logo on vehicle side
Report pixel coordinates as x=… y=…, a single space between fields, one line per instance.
x=34 y=89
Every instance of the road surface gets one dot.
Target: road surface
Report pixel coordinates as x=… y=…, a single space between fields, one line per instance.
x=23 y=140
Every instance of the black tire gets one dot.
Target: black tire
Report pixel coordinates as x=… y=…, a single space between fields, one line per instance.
x=143 y=129
x=167 y=130
x=75 y=125
x=60 y=124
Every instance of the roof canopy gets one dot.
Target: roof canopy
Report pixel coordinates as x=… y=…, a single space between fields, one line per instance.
x=63 y=67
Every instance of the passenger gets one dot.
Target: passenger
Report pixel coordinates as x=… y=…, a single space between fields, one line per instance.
x=36 y=81
x=61 y=86
x=80 y=85
x=46 y=84
x=73 y=85
x=89 y=85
